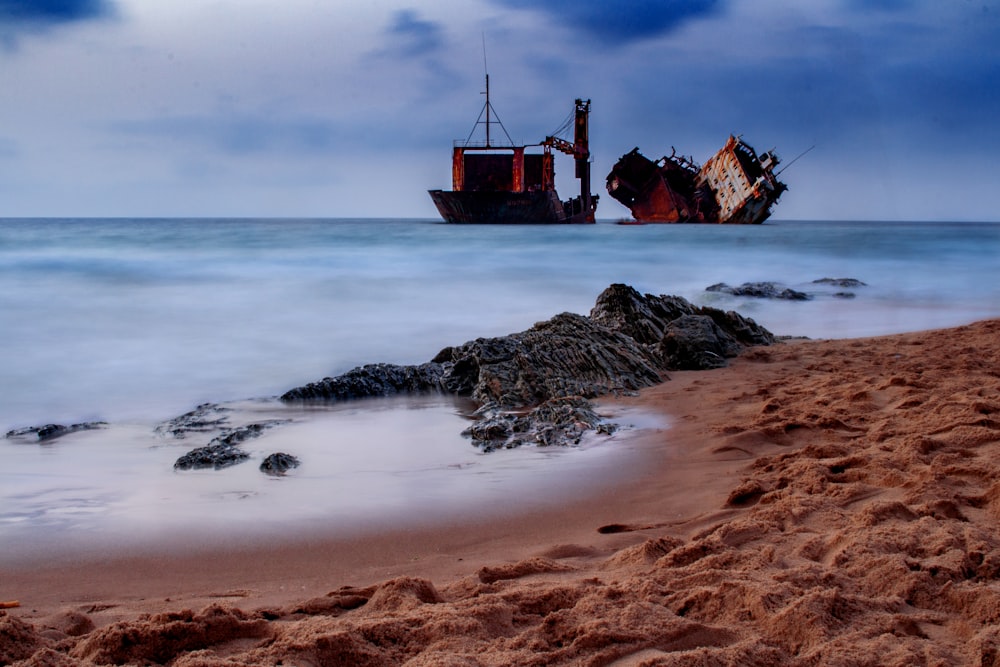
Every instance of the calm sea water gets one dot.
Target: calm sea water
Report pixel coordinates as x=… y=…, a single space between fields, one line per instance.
x=135 y=321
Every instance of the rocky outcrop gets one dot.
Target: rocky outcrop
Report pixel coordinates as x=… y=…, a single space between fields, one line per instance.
x=224 y=451
x=51 y=431
x=217 y=456
x=568 y=355
x=672 y=329
x=762 y=290
x=771 y=290
x=533 y=386
x=558 y=421
x=696 y=342
x=205 y=418
x=840 y=282
x=372 y=380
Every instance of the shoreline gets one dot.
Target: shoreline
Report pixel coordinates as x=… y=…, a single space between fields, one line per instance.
x=848 y=482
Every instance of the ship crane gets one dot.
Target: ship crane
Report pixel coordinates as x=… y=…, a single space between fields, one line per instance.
x=567 y=147
x=579 y=149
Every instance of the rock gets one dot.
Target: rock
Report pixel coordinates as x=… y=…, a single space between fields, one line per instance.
x=645 y=318
x=235 y=436
x=761 y=290
x=840 y=282
x=565 y=356
x=533 y=386
x=222 y=451
x=216 y=456
x=204 y=418
x=696 y=342
x=278 y=464
x=558 y=421
x=568 y=355
x=52 y=431
x=371 y=380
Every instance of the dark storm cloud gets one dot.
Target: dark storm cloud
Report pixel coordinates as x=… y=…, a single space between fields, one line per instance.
x=413 y=41
x=411 y=35
x=615 y=22
x=19 y=17
x=35 y=13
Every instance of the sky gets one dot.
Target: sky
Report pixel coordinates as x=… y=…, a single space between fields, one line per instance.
x=335 y=108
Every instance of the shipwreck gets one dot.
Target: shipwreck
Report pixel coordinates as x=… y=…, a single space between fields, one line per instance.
x=496 y=181
x=735 y=186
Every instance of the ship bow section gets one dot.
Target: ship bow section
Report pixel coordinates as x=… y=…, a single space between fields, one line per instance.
x=506 y=207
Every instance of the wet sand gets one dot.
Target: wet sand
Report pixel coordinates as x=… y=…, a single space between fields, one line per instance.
x=816 y=502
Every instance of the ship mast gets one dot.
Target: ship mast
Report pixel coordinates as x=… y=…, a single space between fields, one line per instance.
x=487 y=101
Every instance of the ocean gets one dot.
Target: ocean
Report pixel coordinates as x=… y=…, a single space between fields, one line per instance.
x=134 y=321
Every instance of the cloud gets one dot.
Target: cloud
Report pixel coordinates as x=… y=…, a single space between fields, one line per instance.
x=18 y=17
x=620 y=23
x=52 y=11
x=412 y=36
x=413 y=41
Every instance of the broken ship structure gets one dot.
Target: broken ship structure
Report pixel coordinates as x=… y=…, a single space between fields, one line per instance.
x=498 y=182
x=735 y=186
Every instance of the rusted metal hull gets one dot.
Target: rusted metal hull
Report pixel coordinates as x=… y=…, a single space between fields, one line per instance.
x=499 y=207
x=735 y=186
x=503 y=183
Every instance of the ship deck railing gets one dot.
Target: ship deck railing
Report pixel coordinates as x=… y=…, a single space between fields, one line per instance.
x=482 y=145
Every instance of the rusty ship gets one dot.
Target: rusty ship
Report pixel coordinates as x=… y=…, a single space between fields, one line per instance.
x=735 y=186
x=497 y=182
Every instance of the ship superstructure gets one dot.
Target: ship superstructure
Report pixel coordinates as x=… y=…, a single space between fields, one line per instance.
x=496 y=181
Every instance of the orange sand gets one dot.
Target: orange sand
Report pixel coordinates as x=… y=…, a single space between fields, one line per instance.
x=816 y=503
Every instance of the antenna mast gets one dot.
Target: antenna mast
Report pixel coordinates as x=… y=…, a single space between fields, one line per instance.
x=488 y=110
x=486 y=71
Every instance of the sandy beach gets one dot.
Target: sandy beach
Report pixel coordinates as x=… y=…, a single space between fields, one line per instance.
x=814 y=503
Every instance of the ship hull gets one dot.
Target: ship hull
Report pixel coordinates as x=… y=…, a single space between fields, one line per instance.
x=510 y=208
x=734 y=187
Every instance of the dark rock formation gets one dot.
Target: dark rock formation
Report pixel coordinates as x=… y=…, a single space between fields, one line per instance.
x=840 y=282
x=223 y=451
x=52 y=431
x=565 y=356
x=235 y=436
x=648 y=319
x=278 y=464
x=533 y=386
x=762 y=290
x=696 y=342
x=205 y=418
x=558 y=421
x=216 y=456
x=568 y=355
x=372 y=380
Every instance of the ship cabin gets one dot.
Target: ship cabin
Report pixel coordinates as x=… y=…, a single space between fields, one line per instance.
x=491 y=168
